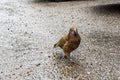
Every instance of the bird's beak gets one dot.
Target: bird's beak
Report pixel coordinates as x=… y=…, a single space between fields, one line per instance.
x=75 y=31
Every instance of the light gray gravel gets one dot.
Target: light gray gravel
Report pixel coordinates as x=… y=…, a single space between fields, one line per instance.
x=29 y=29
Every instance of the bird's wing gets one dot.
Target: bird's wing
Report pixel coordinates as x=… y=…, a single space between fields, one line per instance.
x=71 y=45
x=62 y=41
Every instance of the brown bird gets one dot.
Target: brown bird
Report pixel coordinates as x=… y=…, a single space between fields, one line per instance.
x=69 y=42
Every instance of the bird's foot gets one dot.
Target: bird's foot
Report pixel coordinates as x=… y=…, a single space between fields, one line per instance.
x=65 y=57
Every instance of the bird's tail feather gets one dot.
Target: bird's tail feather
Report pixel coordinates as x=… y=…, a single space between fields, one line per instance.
x=56 y=45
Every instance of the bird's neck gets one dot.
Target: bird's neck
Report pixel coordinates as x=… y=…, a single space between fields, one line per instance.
x=72 y=36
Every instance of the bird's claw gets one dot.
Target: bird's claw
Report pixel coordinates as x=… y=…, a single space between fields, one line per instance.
x=65 y=57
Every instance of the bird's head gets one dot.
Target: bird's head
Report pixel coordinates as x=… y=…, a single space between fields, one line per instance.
x=73 y=31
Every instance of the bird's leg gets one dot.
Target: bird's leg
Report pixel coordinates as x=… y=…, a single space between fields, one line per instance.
x=67 y=55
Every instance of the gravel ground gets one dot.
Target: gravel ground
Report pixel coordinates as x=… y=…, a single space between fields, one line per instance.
x=29 y=29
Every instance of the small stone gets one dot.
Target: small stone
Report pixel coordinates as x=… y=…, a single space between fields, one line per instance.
x=88 y=72
x=13 y=74
x=48 y=56
x=24 y=53
x=16 y=68
x=55 y=55
x=38 y=64
x=25 y=33
x=25 y=25
x=91 y=64
x=20 y=65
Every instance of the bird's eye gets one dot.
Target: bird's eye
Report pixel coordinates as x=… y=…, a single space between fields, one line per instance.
x=70 y=29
